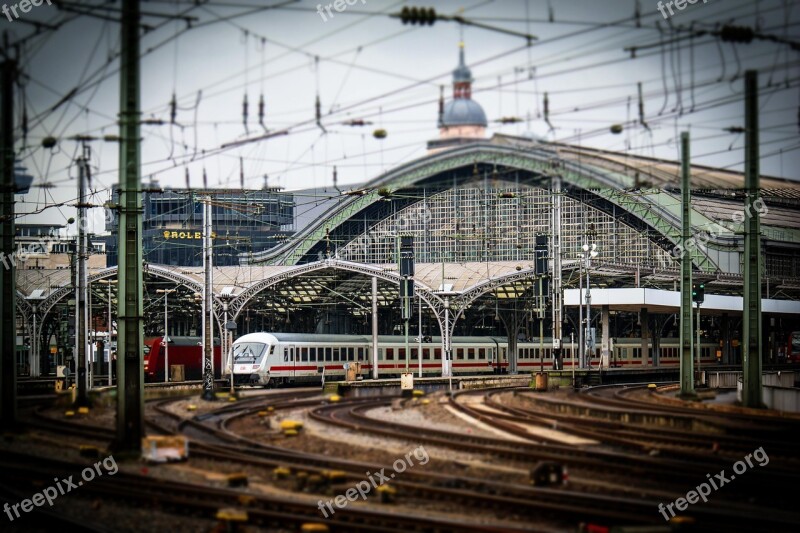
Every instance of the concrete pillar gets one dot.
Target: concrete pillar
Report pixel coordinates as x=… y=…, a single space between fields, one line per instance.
x=656 y=354
x=727 y=354
x=605 y=349
x=512 y=322
x=374 y=327
x=644 y=318
x=33 y=351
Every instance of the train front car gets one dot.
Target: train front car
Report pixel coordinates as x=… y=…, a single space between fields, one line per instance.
x=251 y=359
x=793 y=348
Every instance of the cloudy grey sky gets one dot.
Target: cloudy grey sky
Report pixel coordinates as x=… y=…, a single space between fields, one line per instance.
x=367 y=65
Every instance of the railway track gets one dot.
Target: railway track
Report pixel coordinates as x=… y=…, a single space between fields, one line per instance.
x=213 y=440
x=265 y=511
x=733 y=516
x=471 y=492
x=267 y=458
x=671 y=434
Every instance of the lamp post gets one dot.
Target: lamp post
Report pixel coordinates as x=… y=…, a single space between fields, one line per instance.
x=165 y=340
x=228 y=327
x=589 y=253
x=109 y=283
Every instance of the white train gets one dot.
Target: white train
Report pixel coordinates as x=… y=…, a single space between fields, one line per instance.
x=278 y=358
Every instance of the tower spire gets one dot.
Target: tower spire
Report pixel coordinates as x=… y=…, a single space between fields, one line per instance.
x=462 y=77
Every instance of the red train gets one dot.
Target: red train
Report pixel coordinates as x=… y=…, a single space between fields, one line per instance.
x=186 y=351
x=793 y=348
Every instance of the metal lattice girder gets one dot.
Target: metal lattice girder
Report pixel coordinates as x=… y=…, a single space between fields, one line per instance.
x=538 y=161
x=648 y=211
x=236 y=305
x=163 y=272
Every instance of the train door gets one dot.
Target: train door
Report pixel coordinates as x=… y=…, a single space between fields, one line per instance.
x=291 y=362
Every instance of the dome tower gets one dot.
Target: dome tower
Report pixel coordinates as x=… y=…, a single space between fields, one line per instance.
x=462 y=119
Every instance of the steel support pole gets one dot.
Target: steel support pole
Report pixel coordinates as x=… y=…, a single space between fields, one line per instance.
x=81 y=312
x=541 y=326
x=447 y=368
x=589 y=337
x=581 y=362
x=34 y=354
x=699 y=350
x=8 y=306
x=166 y=338
x=374 y=327
x=208 y=310
x=572 y=356
x=555 y=253
x=752 y=324
x=605 y=319
x=419 y=338
x=108 y=337
x=227 y=352
x=687 y=354
x=408 y=355
x=130 y=328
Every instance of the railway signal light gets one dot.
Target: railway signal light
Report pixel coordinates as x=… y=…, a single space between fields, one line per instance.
x=698 y=292
x=418 y=15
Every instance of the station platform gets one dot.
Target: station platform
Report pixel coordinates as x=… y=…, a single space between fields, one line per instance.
x=556 y=378
x=369 y=387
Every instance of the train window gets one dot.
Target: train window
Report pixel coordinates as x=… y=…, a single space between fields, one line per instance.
x=481 y=353
x=304 y=354
x=414 y=354
x=361 y=354
x=637 y=353
x=426 y=354
x=312 y=353
x=291 y=355
x=437 y=353
x=390 y=354
x=460 y=353
x=401 y=354
x=328 y=354
x=470 y=353
x=286 y=355
x=336 y=354
x=351 y=354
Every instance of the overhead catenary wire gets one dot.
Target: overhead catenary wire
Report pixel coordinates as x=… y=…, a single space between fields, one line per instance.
x=385 y=110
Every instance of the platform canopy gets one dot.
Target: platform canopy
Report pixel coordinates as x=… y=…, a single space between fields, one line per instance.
x=668 y=302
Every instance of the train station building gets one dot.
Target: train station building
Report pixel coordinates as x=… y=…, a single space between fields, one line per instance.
x=480 y=208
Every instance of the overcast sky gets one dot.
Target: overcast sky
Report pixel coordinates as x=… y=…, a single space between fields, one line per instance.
x=367 y=65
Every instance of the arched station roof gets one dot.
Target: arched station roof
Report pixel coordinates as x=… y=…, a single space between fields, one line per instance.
x=643 y=190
